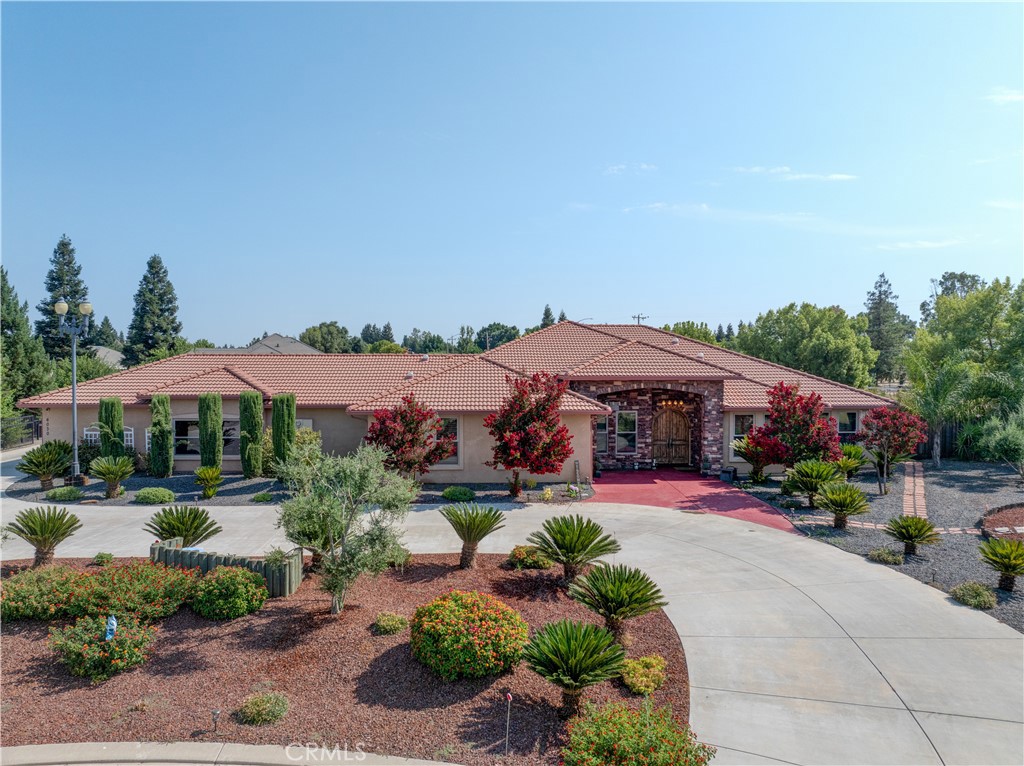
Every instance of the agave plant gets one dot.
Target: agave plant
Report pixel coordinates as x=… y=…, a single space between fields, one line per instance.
x=617 y=593
x=46 y=461
x=44 y=529
x=112 y=470
x=808 y=476
x=191 y=523
x=912 y=531
x=208 y=477
x=573 y=656
x=573 y=542
x=842 y=500
x=472 y=523
x=1006 y=557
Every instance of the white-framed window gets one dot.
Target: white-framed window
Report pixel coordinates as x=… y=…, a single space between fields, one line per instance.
x=91 y=435
x=129 y=438
x=625 y=432
x=303 y=423
x=186 y=437
x=149 y=440
x=847 y=422
x=601 y=435
x=451 y=427
x=742 y=422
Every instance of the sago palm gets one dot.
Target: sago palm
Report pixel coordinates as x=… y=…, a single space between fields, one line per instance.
x=808 y=476
x=112 y=470
x=472 y=523
x=1006 y=557
x=191 y=523
x=208 y=477
x=44 y=529
x=842 y=500
x=46 y=461
x=617 y=593
x=573 y=542
x=573 y=656
x=912 y=531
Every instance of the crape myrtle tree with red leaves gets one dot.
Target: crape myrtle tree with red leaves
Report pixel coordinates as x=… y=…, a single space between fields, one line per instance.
x=892 y=434
x=528 y=434
x=799 y=424
x=412 y=434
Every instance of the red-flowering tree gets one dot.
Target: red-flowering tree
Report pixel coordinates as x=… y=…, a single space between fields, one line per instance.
x=799 y=422
x=893 y=434
x=413 y=436
x=528 y=434
x=760 y=450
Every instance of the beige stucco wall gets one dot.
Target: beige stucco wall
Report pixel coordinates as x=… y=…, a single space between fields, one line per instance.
x=341 y=433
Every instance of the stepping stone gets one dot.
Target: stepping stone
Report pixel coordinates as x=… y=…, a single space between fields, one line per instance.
x=1019 y=530
x=90 y=502
x=1003 y=529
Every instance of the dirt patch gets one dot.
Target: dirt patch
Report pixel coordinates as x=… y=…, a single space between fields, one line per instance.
x=344 y=684
x=996 y=522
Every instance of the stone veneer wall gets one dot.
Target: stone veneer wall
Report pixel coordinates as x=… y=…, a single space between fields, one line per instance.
x=706 y=424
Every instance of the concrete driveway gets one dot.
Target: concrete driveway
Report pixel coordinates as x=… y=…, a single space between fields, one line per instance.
x=797 y=652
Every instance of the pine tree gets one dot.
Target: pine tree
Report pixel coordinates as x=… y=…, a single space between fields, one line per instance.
x=371 y=333
x=547 y=318
x=106 y=335
x=719 y=334
x=562 y=317
x=888 y=329
x=63 y=280
x=387 y=333
x=155 y=326
x=729 y=333
x=26 y=368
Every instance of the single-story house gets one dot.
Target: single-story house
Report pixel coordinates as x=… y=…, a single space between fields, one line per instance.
x=637 y=396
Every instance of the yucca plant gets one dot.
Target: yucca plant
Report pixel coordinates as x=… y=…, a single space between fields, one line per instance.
x=208 y=477
x=842 y=500
x=573 y=656
x=617 y=593
x=44 y=529
x=189 y=522
x=46 y=461
x=1006 y=557
x=573 y=542
x=472 y=523
x=854 y=458
x=112 y=470
x=808 y=476
x=912 y=531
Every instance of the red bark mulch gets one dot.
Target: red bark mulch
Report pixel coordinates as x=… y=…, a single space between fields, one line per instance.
x=1004 y=517
x=344 y=684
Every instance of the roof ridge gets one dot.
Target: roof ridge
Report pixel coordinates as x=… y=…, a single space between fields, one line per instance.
x=522 y=374
x=109 y=375
x=182 y=379
x=603 y=355
x=256 y=383
x=414 y=382
x=543 y=330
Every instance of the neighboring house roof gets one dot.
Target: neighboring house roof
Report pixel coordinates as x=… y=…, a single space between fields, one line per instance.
x=272 y=344
x=111 y=356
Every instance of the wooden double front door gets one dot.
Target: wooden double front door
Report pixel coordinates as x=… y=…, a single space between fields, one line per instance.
x=670 y=438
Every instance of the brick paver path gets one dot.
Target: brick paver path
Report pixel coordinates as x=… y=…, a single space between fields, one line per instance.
x=913 y=490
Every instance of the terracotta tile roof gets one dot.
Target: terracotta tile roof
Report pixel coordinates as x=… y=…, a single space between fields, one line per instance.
x=556 y=349
x=633 y=360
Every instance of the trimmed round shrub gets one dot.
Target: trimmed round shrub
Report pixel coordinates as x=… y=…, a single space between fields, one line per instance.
x=39 y=594
x=103 y=559
x=229 y=592
x=145 y=590
x=82 y=648
x=644 y=675
x=262 y=497
x=458 y=494
x=65 y=494
x=389 y=623
x=617 y=735
x=154 y=496
x=467 y=634
x=528 y=557
x=885 y=556
x=262 y=709
x=974 y=594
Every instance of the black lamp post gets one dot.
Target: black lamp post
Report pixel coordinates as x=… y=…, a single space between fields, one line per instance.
x=76 y=327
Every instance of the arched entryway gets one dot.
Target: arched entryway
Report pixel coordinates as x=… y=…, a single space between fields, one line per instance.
x=670 y=437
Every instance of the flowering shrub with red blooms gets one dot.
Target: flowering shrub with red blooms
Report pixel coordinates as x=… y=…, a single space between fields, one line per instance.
x=892 y=431
x=617 y=735
x=82 y=649
x=412 y=434
x=143 y=589
x=799 y=423
x=467 y=634
x=528 y=434
x=39 y=594
x=761 y=451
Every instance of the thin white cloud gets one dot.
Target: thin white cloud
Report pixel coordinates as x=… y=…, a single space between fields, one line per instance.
x=921 y=244
x=634 y=168
x=761 y=169
x=786 y=173
x=1005 y=204
x=1003 y=96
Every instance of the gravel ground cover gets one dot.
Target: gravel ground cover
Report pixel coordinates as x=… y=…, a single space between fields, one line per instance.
x=236 y=490
x=344 y=684
x=497 y=494
x=956 y=495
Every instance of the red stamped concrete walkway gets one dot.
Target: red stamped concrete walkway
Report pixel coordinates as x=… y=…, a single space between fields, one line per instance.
x=684 y=491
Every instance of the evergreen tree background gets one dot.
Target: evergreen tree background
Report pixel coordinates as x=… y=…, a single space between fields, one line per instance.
x=888 y=329
x=63 y=280
x=547 y=318
x=561 y=316
x=154 y=329
x=26 y=368
x=106 y=335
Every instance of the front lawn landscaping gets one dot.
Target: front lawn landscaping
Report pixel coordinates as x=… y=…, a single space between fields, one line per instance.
x=141 y=489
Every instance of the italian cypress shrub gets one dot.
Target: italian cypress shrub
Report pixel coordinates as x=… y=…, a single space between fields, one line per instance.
x=250 y=417
x=161 y=440
x=282 y=423
x=211 y=433
x=111 y=419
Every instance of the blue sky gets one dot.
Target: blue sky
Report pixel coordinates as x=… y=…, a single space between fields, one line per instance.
x=445 y=164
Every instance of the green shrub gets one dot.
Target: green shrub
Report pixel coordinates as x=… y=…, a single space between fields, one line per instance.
x=250 y=426
x=262 y=497
x=399 y=557
x=809 y=476
x=229 y=592
x=1006 y=557
x=617 y=735
x=282 y=422
x=39 y=594
x=885 y=556
x=161 y=438
x=46 y=461
x=458 y=494
x=305 y=436
x=276 y=557
x=617 y=593
x=211 y=430
x=468 y=635
x=103 y=559
x=573 y=542
x=547 y=495
x=189 y=522
x=86 y=454
x=262 y=709
x=143 y=589
x=44 y=529
x=912 y=531
x=389 y=623
x=112 y=470
x=644 y=675
x=528 y=557
x=111 y=425
x=209 y=478
x=65 y=494
x=842 y=500
x=472 y=523
x=530 y=483
x=82 y=648
x=154 y=496
x=975 y=595
x=267 y=452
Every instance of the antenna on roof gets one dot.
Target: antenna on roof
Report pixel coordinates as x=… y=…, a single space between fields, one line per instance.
x=641 y=317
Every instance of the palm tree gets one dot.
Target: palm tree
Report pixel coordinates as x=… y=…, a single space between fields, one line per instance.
x=912 y=531
x=573 y=542
x=44 y=529
x=1006 y=557
x=46 y=461
x=112 y=470
x=939 y=395
x=573 y=656
x=842 y=500
x=191 y=523
x=472 y=523
x=617 y=593
x=810 y=475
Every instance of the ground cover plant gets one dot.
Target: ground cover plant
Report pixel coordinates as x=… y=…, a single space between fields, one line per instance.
x=974 y=594
x=262 y=709
x=528 y=557
x=389 y=623
x=83 y=649
x=456 y=494
x=154 y=496
x=644 y=675
x=65 y=494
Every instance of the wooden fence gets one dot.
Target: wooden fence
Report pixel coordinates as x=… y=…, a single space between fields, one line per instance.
x=281 y=580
